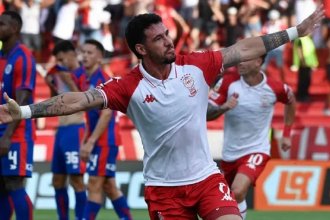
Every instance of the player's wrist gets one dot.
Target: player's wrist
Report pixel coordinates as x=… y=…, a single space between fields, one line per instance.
x=91 y=140
x=25 y=112
x=292 y=33
x=287 y=131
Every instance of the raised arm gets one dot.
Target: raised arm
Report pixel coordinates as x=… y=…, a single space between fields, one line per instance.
x=254 y=47
x=64 y=104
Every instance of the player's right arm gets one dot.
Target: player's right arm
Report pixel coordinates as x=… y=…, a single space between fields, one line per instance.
x=64 y=104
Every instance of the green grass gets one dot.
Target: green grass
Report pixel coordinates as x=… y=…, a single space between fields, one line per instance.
x=252 y=215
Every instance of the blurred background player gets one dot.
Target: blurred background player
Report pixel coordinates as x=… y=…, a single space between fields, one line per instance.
x=100 y=146
x=17 y=78
x=66 y=162
x=248 y=100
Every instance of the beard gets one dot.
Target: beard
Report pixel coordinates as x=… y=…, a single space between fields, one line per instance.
x=169 y=60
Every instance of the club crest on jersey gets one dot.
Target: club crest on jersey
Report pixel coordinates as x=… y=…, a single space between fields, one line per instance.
x=189 y=82
x=8 y=69
x=265 y=102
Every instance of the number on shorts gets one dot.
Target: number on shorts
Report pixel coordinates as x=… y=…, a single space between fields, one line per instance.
x=92 y=161
x=255 y=159
x=12 y=155
x=72 y=157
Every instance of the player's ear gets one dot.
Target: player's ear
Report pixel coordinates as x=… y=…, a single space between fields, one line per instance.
x=140 y=49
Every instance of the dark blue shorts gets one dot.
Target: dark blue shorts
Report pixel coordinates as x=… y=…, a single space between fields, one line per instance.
x=19 y=160
x=66 y=150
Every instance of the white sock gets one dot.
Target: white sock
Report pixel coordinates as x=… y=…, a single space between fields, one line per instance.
x=242 y=208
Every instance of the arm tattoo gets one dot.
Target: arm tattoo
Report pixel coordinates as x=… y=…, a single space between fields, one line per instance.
x=272 y=41
x=87 y=98
x=67 y=103
x=231 y=56
x=52 y=107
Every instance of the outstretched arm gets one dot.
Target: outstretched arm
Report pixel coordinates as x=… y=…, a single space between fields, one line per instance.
x=64 y=104
x=251 y=48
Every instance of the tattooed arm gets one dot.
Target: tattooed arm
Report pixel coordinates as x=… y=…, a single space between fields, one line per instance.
x=251 y=48
x=64 y=104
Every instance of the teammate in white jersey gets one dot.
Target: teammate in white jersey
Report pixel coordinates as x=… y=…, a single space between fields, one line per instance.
x=166 y=96
x=247 y=98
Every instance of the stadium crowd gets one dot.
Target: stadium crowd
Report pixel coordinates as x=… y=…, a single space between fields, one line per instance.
x=193 y=25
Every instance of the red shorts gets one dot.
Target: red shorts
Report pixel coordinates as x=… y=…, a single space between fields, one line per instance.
x=251 y=165
x=210 y=199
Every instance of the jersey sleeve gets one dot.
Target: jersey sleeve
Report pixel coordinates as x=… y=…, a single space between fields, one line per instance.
x=281 y=90
x=210 y=62
x=24 y=72
x=219 y=93
x=117 y=92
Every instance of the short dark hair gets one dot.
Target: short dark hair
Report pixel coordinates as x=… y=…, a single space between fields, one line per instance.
x=134 y=32
x=16 y=17
x=97 y=44
x=263 y=57
x=63 y=46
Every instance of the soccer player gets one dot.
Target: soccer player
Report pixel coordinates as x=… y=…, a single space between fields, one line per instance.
x=66 y=163
x=100 y=147
x=166 y=96
x=17 y=78
x=247 y=98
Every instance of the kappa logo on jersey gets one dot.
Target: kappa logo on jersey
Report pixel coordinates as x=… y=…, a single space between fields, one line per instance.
x=224 y=189
x=8 y=69
x=189 y=83
x=149 y=99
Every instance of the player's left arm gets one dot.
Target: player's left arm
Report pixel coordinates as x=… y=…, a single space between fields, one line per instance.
x=100 y=127
x=215 y=111
x=22 y=97
x=289 y=116
x=254 y=47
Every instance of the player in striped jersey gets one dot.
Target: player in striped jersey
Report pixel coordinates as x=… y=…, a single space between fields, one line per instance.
x=17 y=78
x=100 y=146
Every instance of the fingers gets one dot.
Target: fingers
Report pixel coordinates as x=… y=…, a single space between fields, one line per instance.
x=6 y=97
x=235 y=95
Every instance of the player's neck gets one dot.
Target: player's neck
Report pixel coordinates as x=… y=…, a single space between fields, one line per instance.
x=8 y=45
x=158 y=71
x=253 y=79
x=91 y=70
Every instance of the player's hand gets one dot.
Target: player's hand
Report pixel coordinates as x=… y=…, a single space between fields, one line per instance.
x=286 y=143
x=85 y=150
x=4 y=145
x=231 y=102
x=10 y=111
x=307 y=26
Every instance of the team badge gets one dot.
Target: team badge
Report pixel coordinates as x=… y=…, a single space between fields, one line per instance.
x=8 y=69
x=189 y=83
x=265 y=102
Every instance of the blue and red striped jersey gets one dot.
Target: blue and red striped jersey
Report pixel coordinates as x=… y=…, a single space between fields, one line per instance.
x=17 y=72
x=111 y=135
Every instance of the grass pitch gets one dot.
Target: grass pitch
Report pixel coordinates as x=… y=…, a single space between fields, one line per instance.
x=143 y=215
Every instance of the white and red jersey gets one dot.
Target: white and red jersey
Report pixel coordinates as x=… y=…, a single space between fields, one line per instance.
x=170 y=116
x=247 y=125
